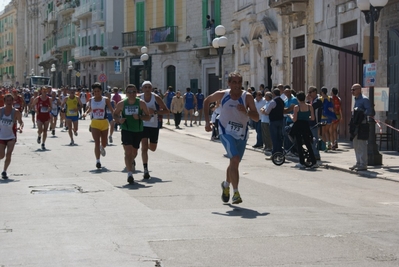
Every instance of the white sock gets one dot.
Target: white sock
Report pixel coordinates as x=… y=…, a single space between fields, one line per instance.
x=97 y=160
x=236 y=190
x=129 y=174
x=226 y=184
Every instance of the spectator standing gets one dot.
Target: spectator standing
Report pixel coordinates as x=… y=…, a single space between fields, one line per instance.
x=338 y=112
x=275 y=110
x=267 y=141
x=259 y=103
x=317 y=105
x=289 y=103
x=177 y=108
x=328 y=115
x=200 y=106
x=189 y=106
x=169 y=94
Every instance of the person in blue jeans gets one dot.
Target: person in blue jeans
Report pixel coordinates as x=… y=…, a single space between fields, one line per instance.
x=275 y=110
x=259 y=103
x=289 y=104
x=314 y=100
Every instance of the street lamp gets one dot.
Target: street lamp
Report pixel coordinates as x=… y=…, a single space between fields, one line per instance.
x=53 y=73
x=70 y=68
x=371 y=10
x=41 y=70
x=219 y=44
x=144 y=58
x=32 y=72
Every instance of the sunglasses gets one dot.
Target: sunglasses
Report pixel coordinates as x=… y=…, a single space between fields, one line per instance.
x=353 y=89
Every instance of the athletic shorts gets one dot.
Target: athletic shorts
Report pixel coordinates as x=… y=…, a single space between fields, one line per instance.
x=326 y=120
x=43 y=117
x=234 y=147
x=5 y=142
x=72 y=118
x=337 y=120
x=131 y=138
x=109 y=117
x=101 y=125
x=151 y=133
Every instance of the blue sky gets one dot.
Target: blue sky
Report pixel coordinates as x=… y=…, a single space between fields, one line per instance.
x=3 y=3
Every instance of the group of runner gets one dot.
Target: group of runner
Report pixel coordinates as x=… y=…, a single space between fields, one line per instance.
x=137 y=115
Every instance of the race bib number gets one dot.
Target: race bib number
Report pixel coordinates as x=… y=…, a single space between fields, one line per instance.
x=235 y=129
x=17 y=106
x=98 y=113
x=130 y=110
x=43 y=109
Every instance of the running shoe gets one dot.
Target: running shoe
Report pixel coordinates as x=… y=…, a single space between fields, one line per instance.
x=53 y=131
x=4 y=175
x=130 y=179
x=110 y=139
x=75 y=133
x=191 y=125
x=225 y=193
x=71 y=143
x=146 y=175
x=236 y=198
x=39 y=139
x=167 y=123
x=98 y=165
x=43 y=147
x=102 y=151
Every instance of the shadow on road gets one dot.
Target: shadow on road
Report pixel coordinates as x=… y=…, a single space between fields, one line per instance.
x=242 y=212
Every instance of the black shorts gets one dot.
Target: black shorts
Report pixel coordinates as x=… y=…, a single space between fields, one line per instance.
x=151 y=133
x=131 y=138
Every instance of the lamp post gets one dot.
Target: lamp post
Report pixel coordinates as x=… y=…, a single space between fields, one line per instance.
x=219 y=44
x=41 y=70
x=144 y=58
x=53 y=73
x=70 y=68
x=32 y=72
x=371 y=10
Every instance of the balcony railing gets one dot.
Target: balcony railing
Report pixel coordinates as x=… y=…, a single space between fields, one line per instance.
x=82 y=51
x=281 y=3
x=66 y=41
x=52 y=17
x=106 y=53
x=83 y=11
x=167 y=34
x=136 y=38
x=66 y=8
x=46 y=56
x=98 y=17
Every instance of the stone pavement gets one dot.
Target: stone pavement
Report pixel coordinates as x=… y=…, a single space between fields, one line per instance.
x=341 y=159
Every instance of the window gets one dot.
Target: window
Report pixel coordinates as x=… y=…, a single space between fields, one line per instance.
x=349 y=29
x=299 y=42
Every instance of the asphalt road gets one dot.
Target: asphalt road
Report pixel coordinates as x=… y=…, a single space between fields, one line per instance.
x=58 y=210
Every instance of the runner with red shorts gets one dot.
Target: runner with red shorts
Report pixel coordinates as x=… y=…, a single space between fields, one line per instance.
x=42 y=104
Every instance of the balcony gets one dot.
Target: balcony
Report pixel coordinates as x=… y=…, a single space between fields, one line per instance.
x=52 y=17
x=83 y=11
x=66 y=9
x=46 y=56
x=98 y=17
x=289 y=7
x=66 y=42
x=167 y=34
x=82 y=53
x=134 y=39
x=106 y=54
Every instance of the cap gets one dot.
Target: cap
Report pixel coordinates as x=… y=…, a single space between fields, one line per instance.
x=146 y=82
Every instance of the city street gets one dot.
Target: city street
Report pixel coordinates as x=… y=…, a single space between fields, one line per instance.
x=57 y=209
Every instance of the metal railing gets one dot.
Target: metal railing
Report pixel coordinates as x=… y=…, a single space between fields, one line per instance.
x=137 y=38
x=166 y=34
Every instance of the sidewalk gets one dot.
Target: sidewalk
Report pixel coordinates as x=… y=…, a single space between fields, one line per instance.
x=341 y=159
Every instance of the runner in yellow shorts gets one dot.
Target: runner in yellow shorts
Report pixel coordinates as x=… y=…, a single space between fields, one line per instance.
x=98 y=105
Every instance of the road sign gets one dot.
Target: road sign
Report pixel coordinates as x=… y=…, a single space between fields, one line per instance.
x=102 y=78
x=370 y=73
x=78 y=74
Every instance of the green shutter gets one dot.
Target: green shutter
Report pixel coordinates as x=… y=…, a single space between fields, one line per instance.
x=217 y=13
x=169 y=13
x=204 y=12
x=64 y=57
x=140 y=16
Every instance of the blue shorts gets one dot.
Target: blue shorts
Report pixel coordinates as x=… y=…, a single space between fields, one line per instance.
x=72 y=118
x=109 y=117
x=234 y=147
x=326 y=120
